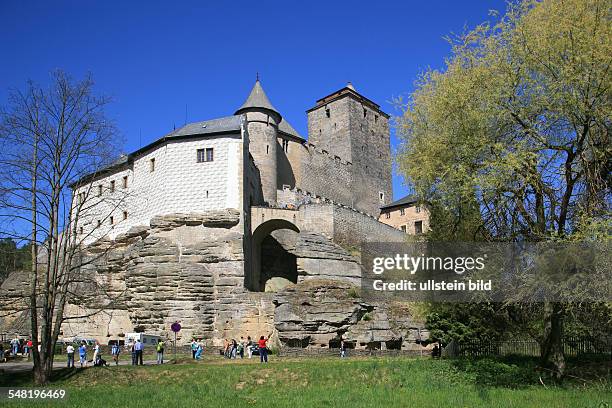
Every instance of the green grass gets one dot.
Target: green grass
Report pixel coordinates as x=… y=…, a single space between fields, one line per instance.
x=296 y=383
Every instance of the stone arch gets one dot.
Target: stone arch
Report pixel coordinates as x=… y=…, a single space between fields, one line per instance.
x=262 y=239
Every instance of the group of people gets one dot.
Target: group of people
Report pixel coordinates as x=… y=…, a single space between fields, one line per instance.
x=16 y=347
x=233 y=349
x=136 y=348
x=197 y=348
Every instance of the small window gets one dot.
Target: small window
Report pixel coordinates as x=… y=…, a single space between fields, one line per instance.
x=387 y=215
x=418 y=227
x=81 y=230
x=365 y=112
x=111 y=219
x=125 y=214
x=403 y=228
x=100 y=190
x=286 y=146
x=152 y=165
x=417 y=209
x=205 y=155
x=402 y=211
x=99 y=223
x=206 y=193
x=375 y=118
x=267 y=149
x=112 y=188
x=381 y=195
x=327 y=113
x=125 y=181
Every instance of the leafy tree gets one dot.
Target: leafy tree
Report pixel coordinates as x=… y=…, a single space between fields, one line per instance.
x=518 y=124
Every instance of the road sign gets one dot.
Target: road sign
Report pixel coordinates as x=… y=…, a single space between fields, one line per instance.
x=176 y=327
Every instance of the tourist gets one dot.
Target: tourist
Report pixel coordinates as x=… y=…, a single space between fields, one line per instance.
x=115 y=350
x=263 y=349
x=83 y=354
x=139 y=347
x=199 y=350
x=96 y=352
x=1 y=352
x=160 y=351
x=241 y=347
x=15 y=346
x=249 y=347
x=133 y=351
x=234 y=349
x=70 y=355
x=194 y=348
x=226 y=348
x=342 y=349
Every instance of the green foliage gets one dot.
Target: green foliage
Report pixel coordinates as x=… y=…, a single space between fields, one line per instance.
x=468 y=321
x=13 y=258
x=495 y=373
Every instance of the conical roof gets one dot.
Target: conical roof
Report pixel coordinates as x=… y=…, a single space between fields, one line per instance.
x=257 y=99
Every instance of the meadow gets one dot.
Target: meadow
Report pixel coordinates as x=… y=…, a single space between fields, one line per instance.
x=321 y=382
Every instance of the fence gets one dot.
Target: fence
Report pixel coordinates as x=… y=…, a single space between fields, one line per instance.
x=572 y=346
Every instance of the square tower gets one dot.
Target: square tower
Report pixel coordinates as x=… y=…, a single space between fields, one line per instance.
x=349 y=125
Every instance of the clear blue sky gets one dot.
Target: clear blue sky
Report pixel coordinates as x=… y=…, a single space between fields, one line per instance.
x=156 y=57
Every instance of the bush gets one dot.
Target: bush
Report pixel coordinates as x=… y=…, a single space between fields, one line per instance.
x=491 y=372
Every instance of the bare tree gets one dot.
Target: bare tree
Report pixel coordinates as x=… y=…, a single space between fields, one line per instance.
x=53 y=139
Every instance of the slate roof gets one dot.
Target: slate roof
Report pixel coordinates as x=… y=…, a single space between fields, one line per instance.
x=285 y=127
x=257 y=99
x=405 y=201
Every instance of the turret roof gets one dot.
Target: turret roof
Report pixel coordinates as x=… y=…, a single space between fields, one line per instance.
x=257 y=99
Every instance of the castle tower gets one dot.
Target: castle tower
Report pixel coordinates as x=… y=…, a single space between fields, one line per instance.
x=349 y=125
x=262 y=126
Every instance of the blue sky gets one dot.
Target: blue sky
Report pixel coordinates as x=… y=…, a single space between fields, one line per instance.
x=154 y=58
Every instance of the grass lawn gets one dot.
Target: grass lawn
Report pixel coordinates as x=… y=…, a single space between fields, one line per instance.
x=322 y=382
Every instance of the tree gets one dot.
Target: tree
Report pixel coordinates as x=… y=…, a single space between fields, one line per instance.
x=518 y=122
x=52 y=137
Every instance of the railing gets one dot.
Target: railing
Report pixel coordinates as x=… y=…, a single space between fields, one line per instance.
x=572 y=346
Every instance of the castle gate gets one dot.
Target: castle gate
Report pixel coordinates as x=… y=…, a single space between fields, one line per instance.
x=273 y=233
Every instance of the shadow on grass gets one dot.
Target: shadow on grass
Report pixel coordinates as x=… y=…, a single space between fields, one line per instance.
x=523 y=371
x=26 y=378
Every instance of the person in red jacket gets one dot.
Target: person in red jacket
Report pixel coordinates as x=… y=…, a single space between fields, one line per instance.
x=263 y=349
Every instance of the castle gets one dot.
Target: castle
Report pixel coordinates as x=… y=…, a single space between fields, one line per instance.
x=219 y=222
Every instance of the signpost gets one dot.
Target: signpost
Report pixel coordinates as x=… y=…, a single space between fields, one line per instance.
x=176 y=327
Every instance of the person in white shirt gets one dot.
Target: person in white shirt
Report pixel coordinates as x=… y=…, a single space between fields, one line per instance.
x=70 y=354
x=96 y=352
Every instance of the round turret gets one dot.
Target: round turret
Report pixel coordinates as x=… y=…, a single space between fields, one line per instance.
x=262 y=126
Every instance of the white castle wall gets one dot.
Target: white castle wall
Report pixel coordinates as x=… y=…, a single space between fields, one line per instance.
x=179 y=184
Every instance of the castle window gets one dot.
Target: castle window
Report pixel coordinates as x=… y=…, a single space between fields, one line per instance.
x=125 y=214
x=206 y=193
x=365 y=112
x=267 y=149
x=327 y=113
x=286 y=146
x=205 y=155
x=381 y=195
x=402 y=211
x=403 y=228
x=99 y=223
x=100 y=190
x=125 y=181
x=387 y=215
x=152 y=165
x=375 y=118
x=418 y=227
x=81 y=230
x=111 y=219
x=112 y=188
x=418 y=209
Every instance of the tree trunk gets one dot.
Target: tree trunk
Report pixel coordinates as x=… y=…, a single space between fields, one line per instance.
x=553 y=356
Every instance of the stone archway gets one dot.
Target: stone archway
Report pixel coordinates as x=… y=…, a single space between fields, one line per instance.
x=272 y=254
